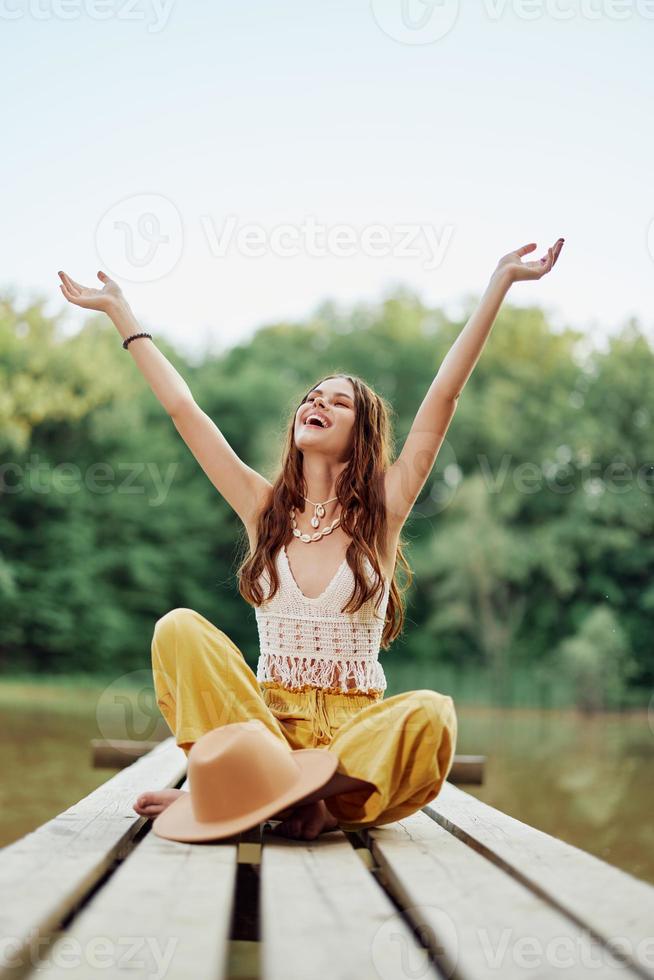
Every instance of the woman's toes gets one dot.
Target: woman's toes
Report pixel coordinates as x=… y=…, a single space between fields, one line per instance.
x=151 y=804
x=141 y=803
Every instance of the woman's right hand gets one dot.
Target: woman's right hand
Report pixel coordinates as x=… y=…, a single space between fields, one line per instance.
x=105 y=299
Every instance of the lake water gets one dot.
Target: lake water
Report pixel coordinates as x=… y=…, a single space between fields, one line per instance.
x=586 y=779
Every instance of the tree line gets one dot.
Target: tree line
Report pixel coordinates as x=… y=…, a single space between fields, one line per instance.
x=532 y=542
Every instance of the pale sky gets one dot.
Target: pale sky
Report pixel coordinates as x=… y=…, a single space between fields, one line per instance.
x=205 y=154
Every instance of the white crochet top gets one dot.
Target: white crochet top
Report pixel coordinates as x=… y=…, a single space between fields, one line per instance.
x=310 y=642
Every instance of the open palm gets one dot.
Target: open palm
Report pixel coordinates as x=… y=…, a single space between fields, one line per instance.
x=88 y=296
x=517 y=269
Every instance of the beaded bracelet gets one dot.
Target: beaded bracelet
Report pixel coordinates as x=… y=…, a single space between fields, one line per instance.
x=127 y=340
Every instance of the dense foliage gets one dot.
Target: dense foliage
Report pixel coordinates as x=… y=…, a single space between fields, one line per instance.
x=532 y=541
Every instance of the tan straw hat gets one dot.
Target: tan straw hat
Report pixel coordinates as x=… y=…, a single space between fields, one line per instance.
x=239 y=775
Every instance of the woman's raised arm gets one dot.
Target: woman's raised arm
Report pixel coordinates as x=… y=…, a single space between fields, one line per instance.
x=243 y=488
x=408 y=474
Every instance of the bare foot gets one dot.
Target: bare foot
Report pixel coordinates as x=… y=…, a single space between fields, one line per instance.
x=154 y=802
x=307 y=821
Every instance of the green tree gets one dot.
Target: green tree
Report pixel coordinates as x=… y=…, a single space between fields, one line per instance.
x=537 y=514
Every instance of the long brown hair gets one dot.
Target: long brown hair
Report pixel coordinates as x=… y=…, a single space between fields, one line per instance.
x=360 y=491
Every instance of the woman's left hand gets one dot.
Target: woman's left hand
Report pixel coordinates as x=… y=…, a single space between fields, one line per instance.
x=512 y=266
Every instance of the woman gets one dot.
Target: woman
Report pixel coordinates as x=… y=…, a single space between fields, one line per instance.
x=321 y=579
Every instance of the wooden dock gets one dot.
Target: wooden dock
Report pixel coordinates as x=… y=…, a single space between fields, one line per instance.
x=458 y=890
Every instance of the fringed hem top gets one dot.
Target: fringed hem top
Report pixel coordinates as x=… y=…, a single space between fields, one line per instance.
x=308 y=641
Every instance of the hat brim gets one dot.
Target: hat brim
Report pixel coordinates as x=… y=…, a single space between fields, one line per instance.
x=178 y=822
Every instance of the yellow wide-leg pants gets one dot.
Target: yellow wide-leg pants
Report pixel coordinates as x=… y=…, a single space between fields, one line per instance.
x=403 y=745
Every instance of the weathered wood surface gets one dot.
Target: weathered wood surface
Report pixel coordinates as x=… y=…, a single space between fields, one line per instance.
x=608 y=902
x=45 y=874
x=480 y=922
x=165 y=912
x=487 y=895
x=324 y=917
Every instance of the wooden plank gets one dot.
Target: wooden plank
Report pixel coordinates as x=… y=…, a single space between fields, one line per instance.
x=45 y=874
x=479 y=921
x=467 y=769
x=116 y=796
x=165 y=912
x=116 y=753
x=615 y=906
x=249 y=845
x=324 y=915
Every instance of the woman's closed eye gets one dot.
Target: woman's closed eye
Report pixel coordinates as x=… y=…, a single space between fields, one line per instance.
x=342 y=404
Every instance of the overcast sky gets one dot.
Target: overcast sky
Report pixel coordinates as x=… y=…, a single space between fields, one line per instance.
x=233 y=164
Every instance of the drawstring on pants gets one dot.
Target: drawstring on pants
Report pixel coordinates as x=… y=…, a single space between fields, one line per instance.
x=321 y=726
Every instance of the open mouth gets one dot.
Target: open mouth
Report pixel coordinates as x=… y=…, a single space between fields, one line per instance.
x=316 y=422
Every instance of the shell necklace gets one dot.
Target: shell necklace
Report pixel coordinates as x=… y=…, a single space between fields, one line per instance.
x=318 y=512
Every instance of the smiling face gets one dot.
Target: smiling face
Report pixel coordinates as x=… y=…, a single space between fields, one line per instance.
x=333 y=402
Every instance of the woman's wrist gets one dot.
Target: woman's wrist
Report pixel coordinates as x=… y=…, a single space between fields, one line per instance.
x=120 y=313
x=502 y=278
